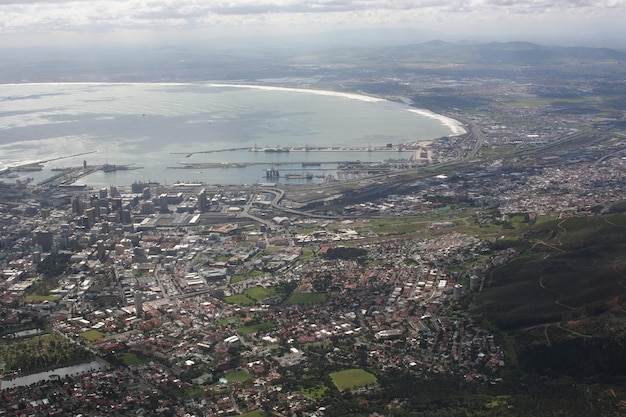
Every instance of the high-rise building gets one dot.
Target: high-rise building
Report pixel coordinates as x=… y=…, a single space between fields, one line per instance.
x=139 y=304
x=125 y=217
x=76 y=205
x=202 y=202
x=101 y=250
x=147 y=208
x=43 y=239
x=115 y=204
x=163 y=208
x=90 y=214
x=475 y=282
x=457 y=292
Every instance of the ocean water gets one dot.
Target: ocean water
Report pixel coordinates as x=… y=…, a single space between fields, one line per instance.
x=160 y=127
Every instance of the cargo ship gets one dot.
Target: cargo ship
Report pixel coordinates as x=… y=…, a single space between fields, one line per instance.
x=277 y=149
x=112 y=168
x=306 y=176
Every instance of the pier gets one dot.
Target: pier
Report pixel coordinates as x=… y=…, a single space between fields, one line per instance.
x=310 y=166
x=190 y=154
x=287 y=149
x=69 y=176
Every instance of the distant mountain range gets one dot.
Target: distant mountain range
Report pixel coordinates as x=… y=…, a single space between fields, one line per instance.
x=234 y=61
x=474 y=53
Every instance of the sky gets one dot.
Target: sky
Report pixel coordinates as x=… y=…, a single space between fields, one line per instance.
x=53 y=22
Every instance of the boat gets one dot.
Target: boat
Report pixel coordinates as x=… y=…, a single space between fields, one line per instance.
x=306 y=176
x=112 y=167
x=277 y=149
x=109 y=168
x=272 y=173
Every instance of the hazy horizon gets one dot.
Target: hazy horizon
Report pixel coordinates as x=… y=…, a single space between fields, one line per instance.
x=110 y=23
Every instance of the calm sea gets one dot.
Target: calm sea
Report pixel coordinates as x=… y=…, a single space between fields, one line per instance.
x=161 y=126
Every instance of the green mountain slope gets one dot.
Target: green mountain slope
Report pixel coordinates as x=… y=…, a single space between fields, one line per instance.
x=563 y=302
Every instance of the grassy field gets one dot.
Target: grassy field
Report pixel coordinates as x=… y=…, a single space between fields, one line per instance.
x=250 y=296
x=241 y=277
x=92 y=335
x=255 y=328
x=237 y=376
x=398 y=226
x=306 y=255
x=239 y=299
x=195 y=392
x=40 y=298
x=271 y=250
x=130 y=359
x=308 y=298
x=227 y=321
x=316 y=392
x=255 y=413
x=462 y=220
x=259 y=293
x=352 y=378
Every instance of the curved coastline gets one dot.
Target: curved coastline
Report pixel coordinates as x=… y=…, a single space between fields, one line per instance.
x=447 y=125
x=456 y=127
x=353 y=96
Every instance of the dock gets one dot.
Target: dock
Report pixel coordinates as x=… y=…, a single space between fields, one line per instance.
x=69 y=176
x=287 y=149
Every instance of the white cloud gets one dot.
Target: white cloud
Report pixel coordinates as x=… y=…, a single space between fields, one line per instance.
x=23 y=17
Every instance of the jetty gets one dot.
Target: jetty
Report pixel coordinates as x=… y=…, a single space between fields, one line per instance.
x=69 y=176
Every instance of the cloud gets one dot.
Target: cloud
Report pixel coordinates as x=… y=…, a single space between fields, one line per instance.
x=28 y=16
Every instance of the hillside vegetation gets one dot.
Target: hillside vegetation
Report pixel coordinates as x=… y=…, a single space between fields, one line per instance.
x=563 y=301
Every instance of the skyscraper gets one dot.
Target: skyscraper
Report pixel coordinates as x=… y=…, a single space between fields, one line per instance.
x=202 y=203
x=139 y=304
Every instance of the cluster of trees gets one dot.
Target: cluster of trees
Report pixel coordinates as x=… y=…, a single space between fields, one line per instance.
x=53 y=266
x=41 y=354
x=402 y=394
x=343 y=252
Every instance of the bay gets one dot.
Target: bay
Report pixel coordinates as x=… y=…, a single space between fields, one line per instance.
x=159 y=127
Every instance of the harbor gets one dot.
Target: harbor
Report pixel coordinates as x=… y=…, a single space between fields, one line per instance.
x=243 y=165
x=306 y=148
x=68 y=176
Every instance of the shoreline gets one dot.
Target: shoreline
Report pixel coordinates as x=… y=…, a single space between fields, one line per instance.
x=442 y=125
x=330 y=93
x=457 y=128
x=454 y=125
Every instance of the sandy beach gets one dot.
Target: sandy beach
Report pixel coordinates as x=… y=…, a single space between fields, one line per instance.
x=454 y=125
x=352 y=96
